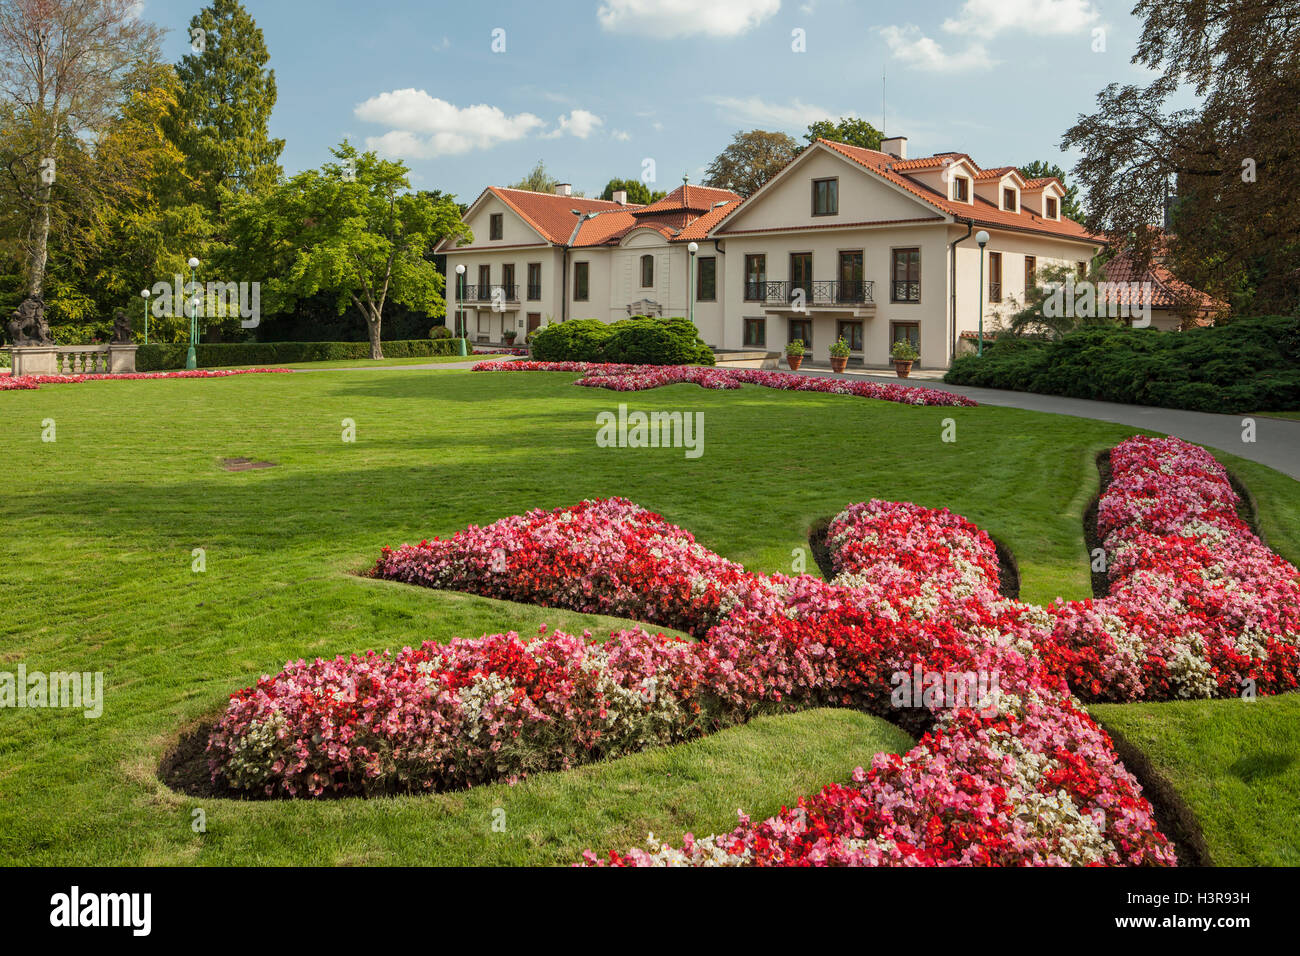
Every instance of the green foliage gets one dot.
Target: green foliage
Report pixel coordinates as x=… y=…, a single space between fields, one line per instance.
x=794 y=347
x=637 y=341
x=840 y=348
x=848 y=129
x=440 y=332
x=154 y=358
x=749 y=160
x=637 y=191
x=1247 y=365
x=227 y=94
x=903 y=351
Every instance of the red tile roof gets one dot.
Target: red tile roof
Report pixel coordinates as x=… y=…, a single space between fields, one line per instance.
x=552 y=215
x=1166 y=290
x=981 y=212
x=697 y=199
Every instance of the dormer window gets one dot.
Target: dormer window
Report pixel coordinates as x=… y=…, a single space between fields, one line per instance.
x=961 y=189
x=825 y=197
x=496 y=229
x=1051 y=207
x=1009 y=199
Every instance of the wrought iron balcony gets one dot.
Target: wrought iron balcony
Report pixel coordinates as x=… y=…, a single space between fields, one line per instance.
x=491 y=293
x=817 y=293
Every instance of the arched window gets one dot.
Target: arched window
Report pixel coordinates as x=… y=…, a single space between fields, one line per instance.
x=647 y=271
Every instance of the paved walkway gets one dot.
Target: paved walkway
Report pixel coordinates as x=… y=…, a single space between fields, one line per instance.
x=1277 y=440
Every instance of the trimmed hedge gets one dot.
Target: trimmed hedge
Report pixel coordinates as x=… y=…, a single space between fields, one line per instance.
x=636 y=341
x=1245 y=365
x=155 y=358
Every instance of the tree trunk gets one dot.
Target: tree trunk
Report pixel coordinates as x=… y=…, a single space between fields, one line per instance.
x=373 y=318
x=40 y=248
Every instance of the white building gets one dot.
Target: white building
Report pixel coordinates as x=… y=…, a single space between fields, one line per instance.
x=844 y=241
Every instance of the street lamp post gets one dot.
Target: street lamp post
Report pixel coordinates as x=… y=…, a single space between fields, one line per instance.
x=693 y=248
x=982 y=238
x=460 y=320
x=191 y=358
x=145 y=295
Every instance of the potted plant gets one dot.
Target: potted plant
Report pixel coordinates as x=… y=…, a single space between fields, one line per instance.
x=509 y=336
x=839 y=354
x=903 y=355
x=794 y=354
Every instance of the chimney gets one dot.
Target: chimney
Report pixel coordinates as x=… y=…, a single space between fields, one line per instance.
x=564 y=189
x=895 y=146
x=620 y=196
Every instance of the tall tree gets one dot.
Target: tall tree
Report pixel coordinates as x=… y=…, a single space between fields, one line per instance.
x=64 y=68
x=848 y=129
x=751 y=159
x=1039 y=169
x=1233 y=159
x=351 y=229
x=227 y=95
x=637 y=191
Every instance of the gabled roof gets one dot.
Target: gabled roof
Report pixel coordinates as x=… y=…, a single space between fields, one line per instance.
x=981 y=211
x=1033 y=185
x=551 y=215
x=1166 y=291
x=696 y=199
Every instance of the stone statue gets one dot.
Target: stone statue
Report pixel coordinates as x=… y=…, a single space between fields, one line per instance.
x=121 y=328
x=27 y=326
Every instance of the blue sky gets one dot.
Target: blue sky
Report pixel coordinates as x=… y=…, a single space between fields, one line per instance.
x=596 y=87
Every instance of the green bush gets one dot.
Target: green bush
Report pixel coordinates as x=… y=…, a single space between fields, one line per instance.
x=440 y=332
x=1242 y=366
x=635 y=341
x=154 y=358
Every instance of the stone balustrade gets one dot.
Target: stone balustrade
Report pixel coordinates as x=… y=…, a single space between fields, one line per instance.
x=111 y=359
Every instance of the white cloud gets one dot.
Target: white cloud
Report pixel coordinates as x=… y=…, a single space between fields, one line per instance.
x=580 y=123
x=913 y=48
x=989 y=18
x=423 y=126
x=621 y=135
x=675 y=18
x=793 y=115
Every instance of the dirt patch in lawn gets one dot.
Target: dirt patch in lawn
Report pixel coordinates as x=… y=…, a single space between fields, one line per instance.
x=244 y=464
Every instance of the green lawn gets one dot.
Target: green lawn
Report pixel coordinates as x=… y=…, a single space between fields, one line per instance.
x=100 y=527
x=1235 y=763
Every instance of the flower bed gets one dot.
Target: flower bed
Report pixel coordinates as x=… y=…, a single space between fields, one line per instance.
x=635 y=378
x=31 y=382
x=1017 y=773
x=1198 y=605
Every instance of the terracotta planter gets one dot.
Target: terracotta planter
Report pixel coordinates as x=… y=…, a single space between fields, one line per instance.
x=903 y=368
x=794 y=361
x=838 y=362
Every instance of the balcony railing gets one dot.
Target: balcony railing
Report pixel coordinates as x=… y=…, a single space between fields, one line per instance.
x=491 y=293
x=817 y=292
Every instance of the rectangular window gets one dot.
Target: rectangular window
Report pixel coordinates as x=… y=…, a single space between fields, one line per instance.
x=580 y=271
x=534 y=280
x=852 y=285
x=851 y=332
x=825 y=197
x=508 y=282
x=1051 y=207
x=801 y=275
x=755 y=278
x=906 y=276
x=909 y=332
x=647 y=272
x=1009 y=199
x=801 y=329
x=483 y=324
x=496 y=227
x=995 y=277
x=706 y=279
x=961 y=189
x=484 y=283
x=756 y=333
x=1031 y=272
x=1082 y=269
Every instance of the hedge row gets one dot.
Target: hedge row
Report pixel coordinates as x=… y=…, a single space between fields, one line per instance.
x=1244 y=365
x=153 y=358
x=636 y=341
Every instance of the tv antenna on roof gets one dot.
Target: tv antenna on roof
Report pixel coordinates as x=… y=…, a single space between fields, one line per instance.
x=882 y=100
